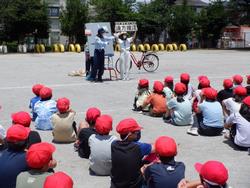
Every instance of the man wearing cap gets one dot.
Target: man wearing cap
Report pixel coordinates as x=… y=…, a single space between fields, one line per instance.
x=39 y=159
x=127 y=155
x=156 y=100
x=58 y=180
x=227 y=92
x=168 y=87
x=142 y=94
x=45 y=108
x=12 y=159
x=100 y=146
x=166 y=172
x=179 y=109
x=64 y=125
x=239 y=125
x=85 y=130
x=213 y=174
x=23 y=118
x=209 y=118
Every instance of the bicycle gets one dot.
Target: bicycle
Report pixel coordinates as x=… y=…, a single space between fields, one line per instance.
x=149 y=61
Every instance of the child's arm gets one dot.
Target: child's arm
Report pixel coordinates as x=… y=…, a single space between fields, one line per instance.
x=189 y=184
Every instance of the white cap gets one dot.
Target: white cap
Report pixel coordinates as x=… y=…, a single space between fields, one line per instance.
x=2 y=132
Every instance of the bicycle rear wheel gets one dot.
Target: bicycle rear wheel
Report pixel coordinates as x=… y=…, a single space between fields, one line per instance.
x=117 y=65
x=150 y=62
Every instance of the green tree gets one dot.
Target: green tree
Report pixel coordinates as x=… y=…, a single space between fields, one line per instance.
x=20 y=18
x=73 y=20
x=111 y=11
x=181 y=22
x=210 y=23
x=239 y=12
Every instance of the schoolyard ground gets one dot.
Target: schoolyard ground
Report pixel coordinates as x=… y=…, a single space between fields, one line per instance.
x=20 y=71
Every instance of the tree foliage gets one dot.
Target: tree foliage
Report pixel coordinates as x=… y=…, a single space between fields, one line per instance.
x=20 y=18
x=73 y=19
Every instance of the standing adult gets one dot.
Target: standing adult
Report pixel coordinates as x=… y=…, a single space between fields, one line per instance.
x=125 y=42
x=101 y=41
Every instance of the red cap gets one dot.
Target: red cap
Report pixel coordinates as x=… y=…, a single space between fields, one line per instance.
x=238 y=79
x=246 y=101
x=209 y=93
x=39 y=155
x=36 y=89
x=214 y=172
x=204 y=83
x=165 y=146
x=158 y=86
x=45 y=93
x=103 y=124
x=92 y=114
x=58 y=180
x=180 y=88
x=21 y=118
x=143 y=83
x=202 y=77
x=63 y=105
x=127 y=125
x=169 y=79
x=228 y=83
x=17 y=133
x=241 y=91
x=185 y=77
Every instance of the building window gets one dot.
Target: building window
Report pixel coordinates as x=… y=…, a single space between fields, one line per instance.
x=53 y=12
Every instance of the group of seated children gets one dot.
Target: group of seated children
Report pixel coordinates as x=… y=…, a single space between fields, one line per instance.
x=204 y=110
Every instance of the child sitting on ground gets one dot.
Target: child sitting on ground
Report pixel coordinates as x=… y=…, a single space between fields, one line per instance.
x=39 y=159
x=166 y=171
x=24 y=119
x=100 y=146
x=227 y=92
x=127 y=155
x=179 y=110
x=209 y=118
x=213 y=174
x=85 y=130
x=248 y=85
x=204 y=82
x=36 y=90
x=168 y=87
x=239 y=125
x=157 y=101
x=142 y=93
x=185 y=79
x=237 y=80
x=45 y=108
x=233 y=104
x=64 y=125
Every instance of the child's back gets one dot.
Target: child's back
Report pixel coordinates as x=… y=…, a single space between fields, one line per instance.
x=36 y=90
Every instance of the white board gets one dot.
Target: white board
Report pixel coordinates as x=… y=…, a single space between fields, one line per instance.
x=125 y=26
x=93 y=28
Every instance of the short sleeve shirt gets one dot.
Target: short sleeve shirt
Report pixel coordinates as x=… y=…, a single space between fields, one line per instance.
x=84 y=149
x=100 y=153
x=63 y=127
x=242 y=137
x=212 y=114
x=190 y=92
x=182 y=112
x=125 y=44
x=31 y=179
x=12 y=164
x=158 y=102
x=159 y=175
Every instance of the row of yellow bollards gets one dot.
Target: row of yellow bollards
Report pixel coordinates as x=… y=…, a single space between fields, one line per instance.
x=156 y=47
x=40 y=48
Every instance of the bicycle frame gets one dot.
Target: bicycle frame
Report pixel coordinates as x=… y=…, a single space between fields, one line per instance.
x=138 y=63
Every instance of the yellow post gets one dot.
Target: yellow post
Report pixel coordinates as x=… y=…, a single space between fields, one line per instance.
x=155 y=48
x=140 y=48
x=78 y=48
x=146 y=47
x=183 y=47
x=169 y=47
x=161 y=47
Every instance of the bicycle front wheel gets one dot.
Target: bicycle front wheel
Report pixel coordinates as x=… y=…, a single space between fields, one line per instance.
x=117 y=65
x=150 y=62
